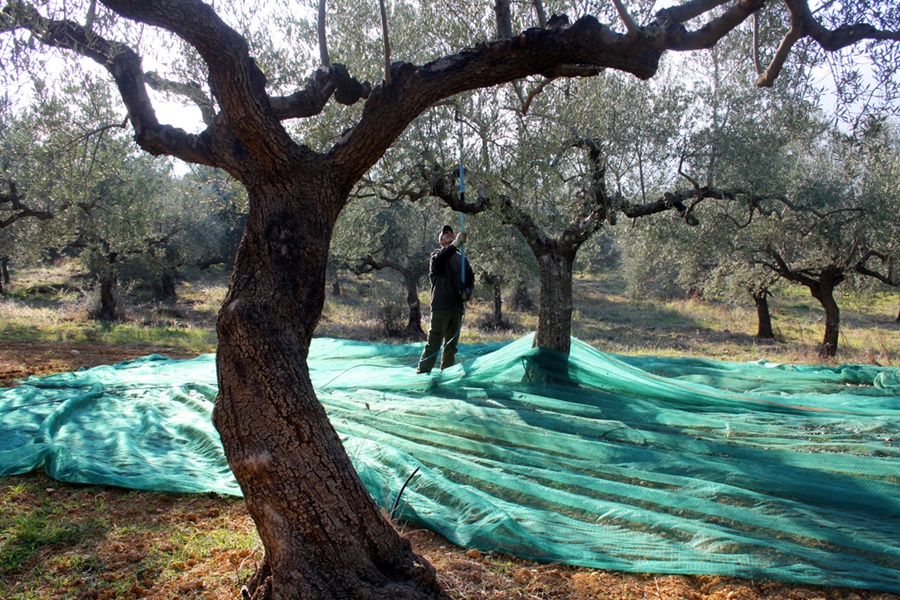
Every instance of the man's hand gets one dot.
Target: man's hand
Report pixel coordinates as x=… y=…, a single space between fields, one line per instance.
x=461 y=238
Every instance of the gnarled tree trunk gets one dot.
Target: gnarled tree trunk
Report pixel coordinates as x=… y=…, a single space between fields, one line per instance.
x=324 y=536
x=764 y=317
x=824 y=293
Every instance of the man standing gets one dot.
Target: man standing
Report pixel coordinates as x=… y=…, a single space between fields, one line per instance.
x=449 y=293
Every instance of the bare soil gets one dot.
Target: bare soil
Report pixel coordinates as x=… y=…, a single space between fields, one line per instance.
x=19 y=360
x=119 y=536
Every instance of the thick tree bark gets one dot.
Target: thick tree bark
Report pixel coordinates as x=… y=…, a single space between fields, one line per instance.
x=323 y=534
x=764 y=328
x=554 y=328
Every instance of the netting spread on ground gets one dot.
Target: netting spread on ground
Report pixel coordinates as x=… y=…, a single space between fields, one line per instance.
x=637 y=464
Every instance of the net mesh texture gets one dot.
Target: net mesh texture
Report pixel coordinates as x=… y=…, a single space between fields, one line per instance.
x=640 y=464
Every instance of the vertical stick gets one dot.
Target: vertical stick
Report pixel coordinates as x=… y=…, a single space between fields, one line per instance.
x=462 y=199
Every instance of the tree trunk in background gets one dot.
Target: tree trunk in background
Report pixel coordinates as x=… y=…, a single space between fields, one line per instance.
x=521 y=300
x=414 y=324
x=4 y=266
x=323 y=534
x=764 y=329
x=167 y=284
x=496 y=285
x=824 y=293
x=497 y=318
x=108 y=311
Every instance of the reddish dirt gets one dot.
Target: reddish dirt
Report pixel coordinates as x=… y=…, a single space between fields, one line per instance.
x=21 y=359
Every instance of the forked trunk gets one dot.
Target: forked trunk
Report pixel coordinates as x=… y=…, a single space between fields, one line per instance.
x=323 y=534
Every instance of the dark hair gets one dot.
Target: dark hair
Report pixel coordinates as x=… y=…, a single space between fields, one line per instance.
x=446 y=229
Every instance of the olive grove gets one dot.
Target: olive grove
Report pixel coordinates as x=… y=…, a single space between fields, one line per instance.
x=299 y=155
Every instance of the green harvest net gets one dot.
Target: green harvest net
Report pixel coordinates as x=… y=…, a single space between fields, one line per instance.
x=648 y=465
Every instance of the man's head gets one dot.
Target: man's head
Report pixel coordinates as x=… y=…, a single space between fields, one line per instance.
x=446 y=238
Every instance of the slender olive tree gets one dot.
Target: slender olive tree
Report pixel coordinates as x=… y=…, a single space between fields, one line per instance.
x=323 y=535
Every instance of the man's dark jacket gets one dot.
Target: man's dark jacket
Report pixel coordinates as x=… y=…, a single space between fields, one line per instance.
x=446 y=283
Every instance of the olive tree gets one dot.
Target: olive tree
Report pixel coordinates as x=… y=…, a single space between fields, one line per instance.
x=839 y=222
x=35 y=157
x=323 y=534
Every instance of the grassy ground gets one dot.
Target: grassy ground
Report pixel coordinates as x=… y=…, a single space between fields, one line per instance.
x=69 y=541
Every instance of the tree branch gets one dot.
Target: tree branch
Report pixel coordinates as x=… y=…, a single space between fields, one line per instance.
x=756 y=60
x=539 y=242
x=687 y=213
x=387 y=44
x=441 y=188
x=630 y=25
x=708 y=35
x=539 y=11
x=793 y=35
x=832 y=40
x=781 y=267
x=526 y=101
x=503 y=19
x=237 y=82
x=323 y=39
x=125 y=67
x=190 y=90
x=682 y=13
x=888 y=278
x=311 y=100
x=15 y=201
